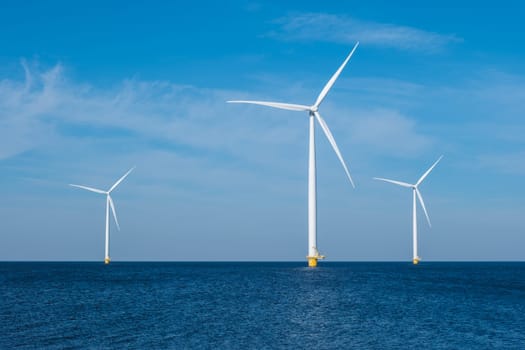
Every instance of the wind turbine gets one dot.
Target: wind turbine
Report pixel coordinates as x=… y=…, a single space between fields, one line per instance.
x=313 y=112
x=109 y=203
x=415 y=192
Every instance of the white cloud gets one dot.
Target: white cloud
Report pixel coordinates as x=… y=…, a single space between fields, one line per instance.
x=512 y=163
x=388 y=132
x=45 y=107
x=348 y=30
x=174 y=133
x=33 y=111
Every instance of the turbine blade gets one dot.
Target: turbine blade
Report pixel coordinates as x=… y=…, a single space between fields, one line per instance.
x=332 y=80
x=280 y=105
x=89 y=188
x=121 y=179
x=330 y=137
x=427 y=172
x=404 y=184
x=423 y=205
x=113 y=211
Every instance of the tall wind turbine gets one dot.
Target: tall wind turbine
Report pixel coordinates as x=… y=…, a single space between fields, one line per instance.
x=313 y=112
x=415 y=192
x=109 y=203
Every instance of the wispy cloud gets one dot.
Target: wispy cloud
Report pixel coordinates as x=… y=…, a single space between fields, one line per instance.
x=389 y=132
x=48 y=103
x=512 y=163
x=138 y=121
x=67 y=127
x=348 y=30
x=46 y=107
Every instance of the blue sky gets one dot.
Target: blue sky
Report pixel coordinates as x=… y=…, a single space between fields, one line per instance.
x=88 y=91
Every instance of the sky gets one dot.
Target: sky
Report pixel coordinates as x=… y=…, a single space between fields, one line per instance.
x=90 y=89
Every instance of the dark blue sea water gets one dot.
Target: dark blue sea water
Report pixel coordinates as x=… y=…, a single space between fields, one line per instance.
x=262 y=306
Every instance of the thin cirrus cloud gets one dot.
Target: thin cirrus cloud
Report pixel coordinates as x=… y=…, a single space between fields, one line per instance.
x=71 y=128
x=345 y=30
x=47 y=107
x=60 y=118
x=389 y=132
x=512 y=163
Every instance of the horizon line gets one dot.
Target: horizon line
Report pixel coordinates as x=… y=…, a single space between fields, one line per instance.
x=258 y=261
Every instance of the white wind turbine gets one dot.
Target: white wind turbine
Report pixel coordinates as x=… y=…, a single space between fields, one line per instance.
x=313 y=112
x=415 y=192
x=109 y=203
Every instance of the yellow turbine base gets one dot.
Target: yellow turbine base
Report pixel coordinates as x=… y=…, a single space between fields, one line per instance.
x=415 y=261
x=107 y=260
x=312 y=261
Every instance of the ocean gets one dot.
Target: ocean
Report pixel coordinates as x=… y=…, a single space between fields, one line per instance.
x=281 y=305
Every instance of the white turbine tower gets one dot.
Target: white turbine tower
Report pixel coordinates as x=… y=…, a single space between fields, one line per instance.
x=109 y=203
x=415 y=192
x=313 y=112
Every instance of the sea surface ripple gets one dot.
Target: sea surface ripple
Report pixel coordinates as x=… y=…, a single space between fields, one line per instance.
x=262 y=305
